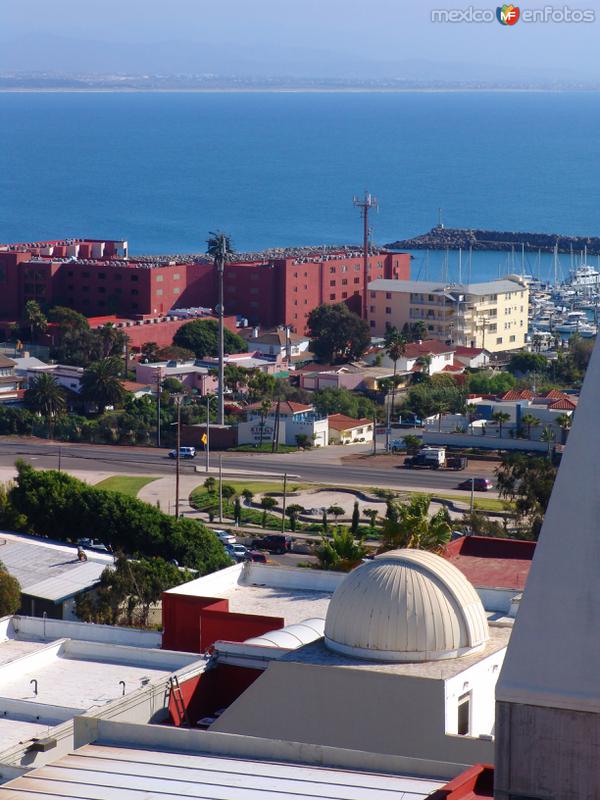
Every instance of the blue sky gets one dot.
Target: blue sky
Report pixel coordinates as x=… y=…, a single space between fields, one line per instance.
x=374 y=38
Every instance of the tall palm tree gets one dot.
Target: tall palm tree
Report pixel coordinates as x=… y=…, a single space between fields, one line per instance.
x=500 y=417
x=100 y=383
x=35 y=318
x=45 y=396
x=425 y=363
x=219 y=247
x=395 y=343
x=548 y=436
x=564 y=421
x=264 y=410
x=531 y=422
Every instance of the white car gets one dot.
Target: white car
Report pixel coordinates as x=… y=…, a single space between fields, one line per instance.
x=224 y=536
x=237 y=551
x=184 y=452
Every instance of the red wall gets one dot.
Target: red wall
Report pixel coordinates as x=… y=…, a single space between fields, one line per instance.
x=194 y=624
x=214 y=689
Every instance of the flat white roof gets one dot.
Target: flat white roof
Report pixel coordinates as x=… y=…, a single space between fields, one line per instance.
x=294 y=605
x=113 y=773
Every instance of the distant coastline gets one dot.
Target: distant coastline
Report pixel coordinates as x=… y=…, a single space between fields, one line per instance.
x=294 y=90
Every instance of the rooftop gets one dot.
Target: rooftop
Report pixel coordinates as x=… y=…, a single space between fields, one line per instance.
x=340 y=422
x=433 y=287
x=492 y=563
x=49 y=571
x=111 y=771
x=426 y=347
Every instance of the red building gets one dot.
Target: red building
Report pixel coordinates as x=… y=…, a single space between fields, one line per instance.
x=98 y=278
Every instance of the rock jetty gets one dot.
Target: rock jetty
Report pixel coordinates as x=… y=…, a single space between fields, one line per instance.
x=441 y=238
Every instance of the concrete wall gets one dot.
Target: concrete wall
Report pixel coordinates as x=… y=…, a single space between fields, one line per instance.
x=57 y=629
x=489 y=442
x=480 y=682
x=546 y=753
x=353 y=709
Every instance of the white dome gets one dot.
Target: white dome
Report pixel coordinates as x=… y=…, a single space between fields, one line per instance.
x=406 y=605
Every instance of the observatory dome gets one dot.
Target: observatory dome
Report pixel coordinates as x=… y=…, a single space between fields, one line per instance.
x=406 y=605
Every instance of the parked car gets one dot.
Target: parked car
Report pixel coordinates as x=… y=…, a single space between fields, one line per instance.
x=93 y=544
x=236 y=551
x=479 y=485
x=274 y=543
x=184 y=452
x=224 y=536
x=256 y=556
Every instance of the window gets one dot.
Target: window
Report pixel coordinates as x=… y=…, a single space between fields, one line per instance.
x=373 y=295
x=134 y=291
x=372 y=309
x=344 y=296
x=499 y=340
x=356 y=280
x=135 y=278
x=159 y=292
x=134 y=305
x=85 y=288
x=176 y=290
x=513 y=339
x=343 y=268
x=331 y=270
x=332 y=283
x=356 y=267
x=388 y=310
x=464 y=713
x=332 y=297
x=372 y=323
x=118 y=277
x=388 y=295
x=101 y=275
x=159 y=278
x=176 y=276
x=102 y=289
x=344 y=281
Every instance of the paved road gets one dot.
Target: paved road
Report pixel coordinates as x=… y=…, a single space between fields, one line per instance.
x=323 y=466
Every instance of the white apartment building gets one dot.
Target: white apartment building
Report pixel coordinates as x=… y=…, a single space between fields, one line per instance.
x=491 y=315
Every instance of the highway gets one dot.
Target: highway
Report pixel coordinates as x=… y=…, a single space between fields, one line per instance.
x=322 y=466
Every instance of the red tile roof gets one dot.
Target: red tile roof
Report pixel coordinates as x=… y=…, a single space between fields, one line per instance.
x=515 y=394
x=428 y=347
x=472 y=352
x=340 y=422
x=286 y=407
x=564 y=404
x=492 y=563
x=133 y=386
x=453 y=368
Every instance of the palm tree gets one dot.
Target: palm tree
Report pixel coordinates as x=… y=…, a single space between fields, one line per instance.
x=500 y=417
x=472 y=409
x=371 y=515
x=531 y=422
x=45 y=396
x=219 y=247
x=35 y=318
x=247 y=494
x=548 y=435
x=442 y=408
x=395 y=343
x=409 y=525
x=340 y=553
x=100 y=383
x=564 y=421
x=293 y=511
x=264 y=409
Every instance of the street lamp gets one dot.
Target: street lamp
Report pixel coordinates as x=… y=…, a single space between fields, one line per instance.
x=178 y=398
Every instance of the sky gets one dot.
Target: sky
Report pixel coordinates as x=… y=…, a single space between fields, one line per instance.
x=301 y=38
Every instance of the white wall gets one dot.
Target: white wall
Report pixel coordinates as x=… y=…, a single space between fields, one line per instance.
x=480 y=681
x=51 y=629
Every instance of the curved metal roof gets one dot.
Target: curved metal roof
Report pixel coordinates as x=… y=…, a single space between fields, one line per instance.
x=292 y=636
x=406 y=605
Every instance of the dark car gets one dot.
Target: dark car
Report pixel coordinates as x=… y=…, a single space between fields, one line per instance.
x=256 y=556
x=274 y=543
x=478 y=484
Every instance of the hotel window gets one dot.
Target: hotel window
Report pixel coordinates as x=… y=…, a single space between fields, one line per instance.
x=513 y=339
x=344 y=296
x=159 y=292
x=372 y=309
x=356 y=280
x=102 y=289
x=344 y=281
x=356 y=267
x=464 y=714
x=135 y=277
x=176 y=276
x=85 y=274
x=499 y=340
x=134 y=291
x=159 y=278
x=343 y=268
x=388 y=295
x=332 y=296
x=118 y=277
x=332 y=283
x=372 y=323
x=332 y=270
x=388 y=310
x=176 y=290
x=101 y=276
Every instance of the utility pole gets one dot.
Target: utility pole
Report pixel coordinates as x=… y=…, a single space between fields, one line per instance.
x=220 y=488
x=178 y=398
x=220 y=262
x=365 y=205
x=284 y=502
x=158 y=382
x=208 y=433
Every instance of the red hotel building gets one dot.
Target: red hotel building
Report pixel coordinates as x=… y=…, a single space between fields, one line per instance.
x=98 y=278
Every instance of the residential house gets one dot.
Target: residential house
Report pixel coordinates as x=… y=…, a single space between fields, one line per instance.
x=347 y=430
x=277 y=343
x=10 y=382
x=471 y=357
x=292 y=420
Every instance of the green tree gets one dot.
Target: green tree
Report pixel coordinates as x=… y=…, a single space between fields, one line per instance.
x=500 y=418
x=524 y=363
x=174 y=353
x=150 y=351
x=260 y=386
x=530 y=422
x=412 y=443
x=395 y=343
x=201 y=337
x=100 y=383
x=564 y=422
x=337 y=334
x=409 y=525
x=526 y=482
x=35 y=319
x=371 y=515
x=210 y=484
x=237 y=511
x=267 y=504
x=293 y=511
x=45 y=396
x=324 y=521
x=478 y=523
x=227 y=491
x=547 y=435
x=343 y=401
x=128 y=591
x=248 y=494
x=355 y=518
x=303 y=441
x=341 y=552
x=10 y=593
x=335 y=512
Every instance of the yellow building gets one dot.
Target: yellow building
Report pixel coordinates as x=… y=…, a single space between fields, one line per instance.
x=490 y=315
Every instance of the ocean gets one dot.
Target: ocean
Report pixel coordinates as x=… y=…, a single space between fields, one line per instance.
x=281 y=169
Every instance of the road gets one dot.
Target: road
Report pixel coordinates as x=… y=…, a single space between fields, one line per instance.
x=318 y=466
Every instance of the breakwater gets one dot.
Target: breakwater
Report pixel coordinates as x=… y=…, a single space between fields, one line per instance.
x=441 y=238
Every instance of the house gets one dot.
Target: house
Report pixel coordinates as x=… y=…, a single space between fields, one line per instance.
x=471 y=357
x=431 y=354
x=287 y=419
x=10 y=382
x=138 y=389
x=277 y=344
x=344 y=376
x=347 y=430
x=189 y=373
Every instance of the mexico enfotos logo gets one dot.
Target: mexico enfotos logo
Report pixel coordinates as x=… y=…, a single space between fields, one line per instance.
x=508 y=15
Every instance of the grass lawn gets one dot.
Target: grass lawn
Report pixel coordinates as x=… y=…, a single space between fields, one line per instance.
x=483 y=503
x=201 y=500
x=126 y=484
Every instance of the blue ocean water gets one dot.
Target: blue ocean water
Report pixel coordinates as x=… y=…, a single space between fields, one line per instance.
x=281 y=168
